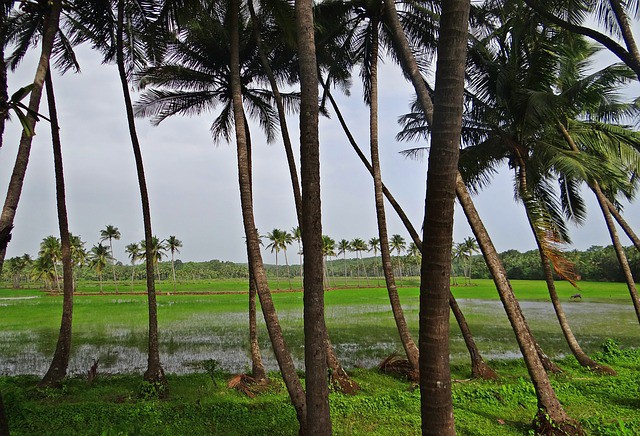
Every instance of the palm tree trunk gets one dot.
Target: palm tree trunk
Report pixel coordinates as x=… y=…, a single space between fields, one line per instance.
x=464 y=328
x=22 y=159
x=624 y=224
x=257 y=367
x=479 y=368
x=315 y=334
x=606 y=207
x=277 y=274
x=100 y=279
x=154 y=373
x=60 y=362
x=280 y=350
x=435 y=376
x=133 y=270
x=408 y=344
x=625 y=28
x=574 y=346
x=284 y=130
x=173 y=272
x=286 y=261
x=113 y=265
x=550 y=411
x=4 y=96
x=622 y=258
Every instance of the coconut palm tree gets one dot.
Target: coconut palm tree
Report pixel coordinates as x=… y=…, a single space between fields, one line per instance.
x=297 y=235
x=399 y=244
x=109 y=234
x=328 y=250
x=343 y=247
x=468 y=247
x=50 y=24
x=157 y=250
x=50 y=249
x=276 y=236
x=358 y=246
x=134 y=252
x=173 y=244
x=117 y=29
x=99 y=258
x=549 y=408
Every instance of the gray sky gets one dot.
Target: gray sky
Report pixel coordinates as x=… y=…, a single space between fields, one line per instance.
x=193 y=183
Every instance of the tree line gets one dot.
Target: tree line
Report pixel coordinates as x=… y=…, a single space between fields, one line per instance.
x=513 y=84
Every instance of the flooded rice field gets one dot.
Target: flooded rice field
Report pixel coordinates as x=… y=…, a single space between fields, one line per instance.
x=363 y=334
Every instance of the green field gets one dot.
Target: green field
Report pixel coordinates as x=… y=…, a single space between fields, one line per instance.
x=208 y=321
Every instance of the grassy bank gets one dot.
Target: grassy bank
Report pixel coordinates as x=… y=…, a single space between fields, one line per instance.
x=195 y=404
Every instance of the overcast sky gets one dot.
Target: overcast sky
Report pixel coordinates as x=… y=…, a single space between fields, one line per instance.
x=193 y=183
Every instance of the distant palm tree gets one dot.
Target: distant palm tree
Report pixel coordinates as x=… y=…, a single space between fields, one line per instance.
x=173 y=244
x=414 y=253
x=469 y=246
x=328 y=249
x=297 y=235
x=78 y=254
x=343 y=247
x=276 y=236
x=134 y=251
x=398 y=243
x=109 y=234
x=374 y=245
x=358 y=245
x=157 y=252
x=42 y=269
x=99 y=258
x=50 y=249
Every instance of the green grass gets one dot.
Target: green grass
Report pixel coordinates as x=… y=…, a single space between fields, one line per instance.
x=120 y=405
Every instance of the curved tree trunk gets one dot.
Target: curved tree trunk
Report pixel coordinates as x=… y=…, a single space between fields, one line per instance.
x=287 y=368
x=623 y=223
x=550 y=411
x=622 y=258
x=154 y=373
x=60 y=362
x=22 y=159
x=474 y=352
x=408 y=344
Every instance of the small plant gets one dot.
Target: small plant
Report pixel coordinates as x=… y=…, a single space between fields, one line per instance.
x=152 y=391
x=211 y=366
x=610 y=347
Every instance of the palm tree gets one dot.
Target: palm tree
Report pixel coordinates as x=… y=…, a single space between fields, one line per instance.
x=328 y=250
x=116 y=29
x=173 y=244
x=135 y=253
x=297 y=235
x=276 y=237
x=549 y=408
x=50 y=29
x=358 y=245
x=50 y=249
x=42 y=269
x=399 y=244
x=99 y=258
x=109 y=234
x=469 y=246
x=157 y=250
x=414 y=252
x=343 y=247
x=374 y=245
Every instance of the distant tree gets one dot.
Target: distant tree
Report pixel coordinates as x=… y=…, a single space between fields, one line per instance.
x=158 y=251
x=469 y=246
x=374 y=245
x=278 y=238
x=297 y=235
x=50 y=249
x=173 y=244
x=343 y=247
x=134 y=252
x=328 y=249
x=358 y=245
x=109 y=234
x=99 y=258
x=398 y=243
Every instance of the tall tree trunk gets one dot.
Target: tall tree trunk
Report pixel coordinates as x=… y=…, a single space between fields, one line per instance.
x=113 y=265
x=4 y=95
x=287 y=368
x=286 y=261
x=624 y=224
x=551 y=417
x=435 y=376
x=574 y=346
x=474 y=352
x=606 y=206
x=408 y=344
x=337 y=372
x=154 y=373
x=58 y=368
x=257 y=367
x=318 y=417
x=622 y=258
x=173 y=271
x=24 y=149
x=625 y=28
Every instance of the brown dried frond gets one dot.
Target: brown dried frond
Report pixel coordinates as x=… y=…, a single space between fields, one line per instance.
x=243 y=383
x=398 y=366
